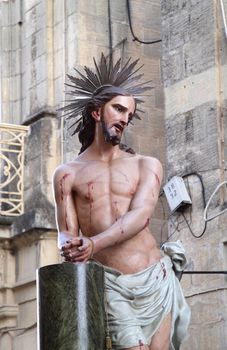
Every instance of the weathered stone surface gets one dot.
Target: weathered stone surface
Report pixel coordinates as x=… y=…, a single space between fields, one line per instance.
x=208 y=330
x=195 y=134
x=40 y=163
x=195 y=101
x=39 y=218
x=26 y=340
x=188 y=41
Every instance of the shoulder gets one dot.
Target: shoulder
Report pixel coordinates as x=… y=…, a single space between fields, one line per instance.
x=150 y=165
x=61 y=170
x=149 y=161
x=65 y=171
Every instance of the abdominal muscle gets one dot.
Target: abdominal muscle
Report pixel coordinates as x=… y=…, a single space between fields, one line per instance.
x=98 y=206
x=131 y=256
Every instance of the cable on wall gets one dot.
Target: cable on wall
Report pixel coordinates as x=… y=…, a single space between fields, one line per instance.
x=110 y=29
x=204 y=205
x=190 y=229
x=223 y=17
x=201 y=182
x=208 y=204
x=135 y=38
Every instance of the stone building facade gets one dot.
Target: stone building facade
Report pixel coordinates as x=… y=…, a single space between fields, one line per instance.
x=41 y=41
x=194 y=63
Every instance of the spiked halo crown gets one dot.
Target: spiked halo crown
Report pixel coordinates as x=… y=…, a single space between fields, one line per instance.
x=87 y=86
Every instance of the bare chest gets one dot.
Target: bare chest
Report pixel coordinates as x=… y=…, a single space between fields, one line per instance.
x=99 y=180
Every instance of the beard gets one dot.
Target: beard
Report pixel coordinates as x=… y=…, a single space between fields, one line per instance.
x=110 y=136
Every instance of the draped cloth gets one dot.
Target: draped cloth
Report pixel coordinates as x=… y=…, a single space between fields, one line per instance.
x=138 y=303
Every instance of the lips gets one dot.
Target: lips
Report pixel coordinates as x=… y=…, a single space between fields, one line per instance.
x=118 y=127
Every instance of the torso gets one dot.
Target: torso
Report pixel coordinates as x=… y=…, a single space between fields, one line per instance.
x=102 y=193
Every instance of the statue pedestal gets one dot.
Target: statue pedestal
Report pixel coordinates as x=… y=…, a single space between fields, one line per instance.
x=71 y=310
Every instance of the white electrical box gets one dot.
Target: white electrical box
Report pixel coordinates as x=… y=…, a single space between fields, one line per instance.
x=176 y=193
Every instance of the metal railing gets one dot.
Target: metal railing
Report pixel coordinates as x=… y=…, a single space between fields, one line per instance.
x=12 y=169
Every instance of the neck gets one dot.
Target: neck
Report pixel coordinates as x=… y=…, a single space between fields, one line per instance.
x=102 y=149
x=105 y=152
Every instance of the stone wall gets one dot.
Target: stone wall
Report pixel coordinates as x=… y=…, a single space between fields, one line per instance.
x=194 y=75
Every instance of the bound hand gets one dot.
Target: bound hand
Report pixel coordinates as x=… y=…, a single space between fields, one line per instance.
x=78 y=249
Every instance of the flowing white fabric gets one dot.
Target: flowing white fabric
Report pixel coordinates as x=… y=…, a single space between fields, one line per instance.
x=138 y=303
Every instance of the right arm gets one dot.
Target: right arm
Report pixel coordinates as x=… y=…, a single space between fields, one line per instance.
x=66 y=217
x=65 y=211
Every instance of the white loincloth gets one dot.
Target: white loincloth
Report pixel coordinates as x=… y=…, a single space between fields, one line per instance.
x=138 y=303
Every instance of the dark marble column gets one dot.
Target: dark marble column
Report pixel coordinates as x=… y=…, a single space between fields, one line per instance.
x=71 y=312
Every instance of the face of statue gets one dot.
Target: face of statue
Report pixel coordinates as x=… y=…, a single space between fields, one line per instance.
x=115 y=116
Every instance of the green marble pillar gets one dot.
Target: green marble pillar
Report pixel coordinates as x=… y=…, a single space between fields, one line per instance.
x=71 y=312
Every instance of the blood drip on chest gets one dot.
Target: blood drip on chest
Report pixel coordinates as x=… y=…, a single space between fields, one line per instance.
x=116 y=210
x=89 y=196
x=121 y=226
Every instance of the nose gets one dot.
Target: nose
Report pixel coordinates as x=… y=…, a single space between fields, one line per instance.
x=124 y=119
x=123 y=122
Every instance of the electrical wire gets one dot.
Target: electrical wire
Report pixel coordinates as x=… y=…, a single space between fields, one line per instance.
x=176 y=227
x=210 y=290
x=135 y=38
x=204 y=204
x=189 y=227
x=208 y=204
x=176 y=230
x=205 y=272
x=223 y=17
x=202 y=184
x=110 y=29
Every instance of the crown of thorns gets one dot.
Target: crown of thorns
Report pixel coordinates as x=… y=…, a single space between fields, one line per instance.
x=87 y=86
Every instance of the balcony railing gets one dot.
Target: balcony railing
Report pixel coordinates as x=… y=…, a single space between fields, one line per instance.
x=12 y=169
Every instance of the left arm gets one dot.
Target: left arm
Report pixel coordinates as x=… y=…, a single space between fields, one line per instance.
x=141 y=208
